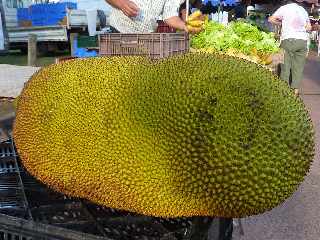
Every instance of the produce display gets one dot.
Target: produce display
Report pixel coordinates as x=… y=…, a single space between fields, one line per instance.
x=221 y=137
x=195 y=22
x=238 y=39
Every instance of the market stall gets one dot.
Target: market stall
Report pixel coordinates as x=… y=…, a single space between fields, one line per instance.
x=240 y=131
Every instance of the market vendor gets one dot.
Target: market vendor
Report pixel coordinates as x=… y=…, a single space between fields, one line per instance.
x=137 y=16
x=294 y=39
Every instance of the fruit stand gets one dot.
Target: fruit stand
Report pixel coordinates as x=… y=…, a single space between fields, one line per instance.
x=242 y=40
x=35 y=211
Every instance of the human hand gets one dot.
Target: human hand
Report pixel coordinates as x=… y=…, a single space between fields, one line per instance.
x=129 y=8
x=193 y=30
x=275 y=20
x=278 y=20
x=308 y=27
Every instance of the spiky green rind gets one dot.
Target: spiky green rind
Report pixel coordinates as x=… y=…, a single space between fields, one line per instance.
x=191 y=135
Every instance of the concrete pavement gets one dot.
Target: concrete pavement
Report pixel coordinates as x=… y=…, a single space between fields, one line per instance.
x=12 y=79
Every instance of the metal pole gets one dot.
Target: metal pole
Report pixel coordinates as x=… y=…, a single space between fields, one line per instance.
x=73 y=43
x=32 y=50
x=187 y=9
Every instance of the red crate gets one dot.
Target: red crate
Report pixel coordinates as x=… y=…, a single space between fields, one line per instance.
x=164 y=28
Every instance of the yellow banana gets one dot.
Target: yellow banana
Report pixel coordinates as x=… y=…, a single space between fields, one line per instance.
x=206 y=18
x=196 y=23
x=194 y=29
x=194 y=15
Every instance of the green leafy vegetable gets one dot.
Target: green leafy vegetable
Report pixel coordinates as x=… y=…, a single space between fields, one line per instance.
x=239 y=36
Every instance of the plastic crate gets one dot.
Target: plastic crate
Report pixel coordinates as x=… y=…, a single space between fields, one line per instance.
x=153 y=45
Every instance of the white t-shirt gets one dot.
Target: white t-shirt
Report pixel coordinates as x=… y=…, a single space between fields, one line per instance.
x=146 y=21
x=294 y=19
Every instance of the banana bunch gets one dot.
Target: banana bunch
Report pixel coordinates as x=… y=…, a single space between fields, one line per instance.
x=195 y=22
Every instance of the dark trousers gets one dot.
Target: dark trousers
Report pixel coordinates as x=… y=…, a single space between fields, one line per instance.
x=295 y=51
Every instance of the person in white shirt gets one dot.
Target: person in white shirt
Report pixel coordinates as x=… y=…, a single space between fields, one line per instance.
x=294 y=37
x=140 y=16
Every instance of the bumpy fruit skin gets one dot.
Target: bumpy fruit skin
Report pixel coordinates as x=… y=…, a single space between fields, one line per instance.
x=220 y=137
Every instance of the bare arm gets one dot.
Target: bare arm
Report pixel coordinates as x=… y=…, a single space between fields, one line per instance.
x=128 y=7
x=308 y=27
x=177 y=23
x=274 y=20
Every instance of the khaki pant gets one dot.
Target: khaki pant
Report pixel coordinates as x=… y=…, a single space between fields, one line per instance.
x=295 y=51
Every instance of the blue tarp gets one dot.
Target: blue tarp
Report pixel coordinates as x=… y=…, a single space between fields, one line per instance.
x=23 y=14
x=217 y=2
x=45 y=14
x=82 y=52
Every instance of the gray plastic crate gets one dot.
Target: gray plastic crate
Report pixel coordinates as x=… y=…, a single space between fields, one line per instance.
x=153 y=45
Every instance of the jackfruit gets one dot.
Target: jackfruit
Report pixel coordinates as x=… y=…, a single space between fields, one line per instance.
x=192 y=135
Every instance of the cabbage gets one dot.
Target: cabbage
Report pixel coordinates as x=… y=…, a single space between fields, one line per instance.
x=239 y=36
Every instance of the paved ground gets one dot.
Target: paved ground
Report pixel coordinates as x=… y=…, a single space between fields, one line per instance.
x=12 y=79
x=311 y=83
x=299 y=217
